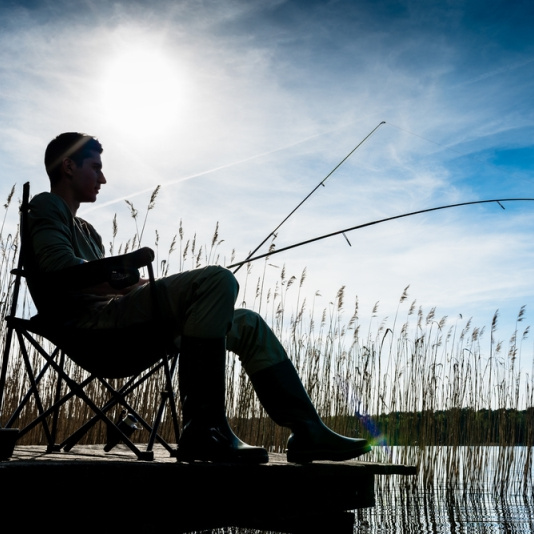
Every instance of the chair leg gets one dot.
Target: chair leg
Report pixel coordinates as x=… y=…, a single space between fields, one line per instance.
x=5 y=365
x=167 y=396
x=119 y=398
x=78 y=390
x=8 y=436
x=53 y=447
x=26 y=398
x=76 y=436
x=34 y=389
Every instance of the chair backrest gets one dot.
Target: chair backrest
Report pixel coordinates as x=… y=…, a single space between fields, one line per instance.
x=18 y=274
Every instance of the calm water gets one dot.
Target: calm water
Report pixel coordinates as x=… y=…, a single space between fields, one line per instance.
x=467 y=490
x=447 y=512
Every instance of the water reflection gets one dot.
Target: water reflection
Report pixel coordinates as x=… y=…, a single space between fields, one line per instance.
x=457 y=490
x=446 y=511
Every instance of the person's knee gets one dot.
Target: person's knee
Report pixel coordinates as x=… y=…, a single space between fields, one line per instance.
x=248 y=321
x=200 y=302
x=224 y=279
x=254 y=342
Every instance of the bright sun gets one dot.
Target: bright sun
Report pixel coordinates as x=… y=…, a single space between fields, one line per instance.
x=142 y=91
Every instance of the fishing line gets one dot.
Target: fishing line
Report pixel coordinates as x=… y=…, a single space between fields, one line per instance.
x=321 y=183
x=498 y=201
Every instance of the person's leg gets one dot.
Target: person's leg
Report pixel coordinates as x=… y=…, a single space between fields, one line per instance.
x=197 y=307
x=282 y=394
x=197 y=303
x=251 y=338
x=206 y=434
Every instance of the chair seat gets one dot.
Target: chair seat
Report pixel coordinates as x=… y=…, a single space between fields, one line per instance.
x=109 y=353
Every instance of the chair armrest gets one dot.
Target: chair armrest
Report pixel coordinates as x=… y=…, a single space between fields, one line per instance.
x=119 y=271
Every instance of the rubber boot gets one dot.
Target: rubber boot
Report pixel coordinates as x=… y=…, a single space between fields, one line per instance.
x=283 y=396
x=206 y=435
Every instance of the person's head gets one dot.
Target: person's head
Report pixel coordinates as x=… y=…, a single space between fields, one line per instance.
x=74 y=166
x=68 y=148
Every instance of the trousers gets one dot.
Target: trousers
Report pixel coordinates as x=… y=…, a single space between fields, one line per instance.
x=197 y=303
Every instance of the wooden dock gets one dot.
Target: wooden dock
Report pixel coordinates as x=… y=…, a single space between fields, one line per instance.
x=88 y=490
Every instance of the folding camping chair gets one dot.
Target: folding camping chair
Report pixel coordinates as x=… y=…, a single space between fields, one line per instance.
x=80 y=346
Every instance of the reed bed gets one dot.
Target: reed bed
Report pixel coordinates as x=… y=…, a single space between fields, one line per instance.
x=446 y=395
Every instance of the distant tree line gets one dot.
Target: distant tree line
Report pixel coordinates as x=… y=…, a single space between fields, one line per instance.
x=458 y=426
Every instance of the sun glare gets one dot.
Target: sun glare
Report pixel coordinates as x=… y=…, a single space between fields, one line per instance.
x=142 y=90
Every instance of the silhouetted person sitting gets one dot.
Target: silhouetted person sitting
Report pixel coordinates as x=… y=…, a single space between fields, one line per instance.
x=198 y=311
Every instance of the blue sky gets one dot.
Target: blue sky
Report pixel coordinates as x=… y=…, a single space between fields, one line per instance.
x=238 y=109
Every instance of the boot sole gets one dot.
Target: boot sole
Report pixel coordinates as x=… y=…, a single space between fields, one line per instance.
x=306 y=457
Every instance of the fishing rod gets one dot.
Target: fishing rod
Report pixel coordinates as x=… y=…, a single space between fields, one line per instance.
x=321 y=183
x=499 y=201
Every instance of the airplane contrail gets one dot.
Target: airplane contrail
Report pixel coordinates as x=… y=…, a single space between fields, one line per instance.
x=204 y=173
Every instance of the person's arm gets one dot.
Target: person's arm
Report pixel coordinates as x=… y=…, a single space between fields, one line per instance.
x=116 y=275
x=105 y=288
x=71 y=257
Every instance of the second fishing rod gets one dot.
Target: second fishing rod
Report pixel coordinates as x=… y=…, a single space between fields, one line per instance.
x=321 y=183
